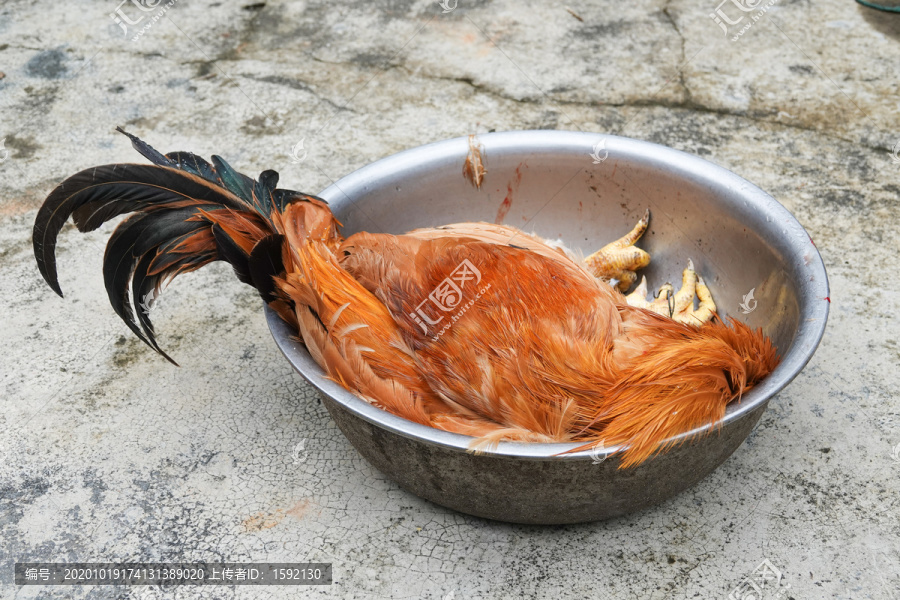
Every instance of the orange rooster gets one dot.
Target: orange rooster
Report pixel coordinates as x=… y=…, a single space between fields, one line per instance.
x=472 y=328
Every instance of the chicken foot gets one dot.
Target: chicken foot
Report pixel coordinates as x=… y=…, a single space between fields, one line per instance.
x=619 y=260
x=678 y=305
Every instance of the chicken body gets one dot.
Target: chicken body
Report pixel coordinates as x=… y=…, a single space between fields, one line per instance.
x=472 y=328
x=509 y=341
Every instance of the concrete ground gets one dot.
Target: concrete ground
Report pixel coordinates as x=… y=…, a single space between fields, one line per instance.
x=109 y=453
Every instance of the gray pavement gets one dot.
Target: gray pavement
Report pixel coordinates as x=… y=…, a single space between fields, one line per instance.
x=108 y=453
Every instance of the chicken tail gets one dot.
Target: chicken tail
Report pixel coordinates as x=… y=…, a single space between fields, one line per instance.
x=187 y=213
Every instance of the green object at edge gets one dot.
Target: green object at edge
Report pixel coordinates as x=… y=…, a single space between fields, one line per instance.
x=895 y=9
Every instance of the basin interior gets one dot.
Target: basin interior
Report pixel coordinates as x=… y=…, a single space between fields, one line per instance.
x=739 y=238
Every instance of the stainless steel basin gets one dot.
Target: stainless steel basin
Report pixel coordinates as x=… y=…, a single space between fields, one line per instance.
x=587 y=189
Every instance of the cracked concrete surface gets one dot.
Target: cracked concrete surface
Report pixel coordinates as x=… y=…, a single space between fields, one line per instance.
x=108 y=453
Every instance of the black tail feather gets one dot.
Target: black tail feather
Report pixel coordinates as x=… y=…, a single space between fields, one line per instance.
x=129 y=258
x=265 y=264
x=257 y=194
x=97 y=195
x=234 y=254
x=180 y=202
x=144 y=290
x=148 y=151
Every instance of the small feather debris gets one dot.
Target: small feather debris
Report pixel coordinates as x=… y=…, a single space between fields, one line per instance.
x=473 y=168
x=574 y=14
